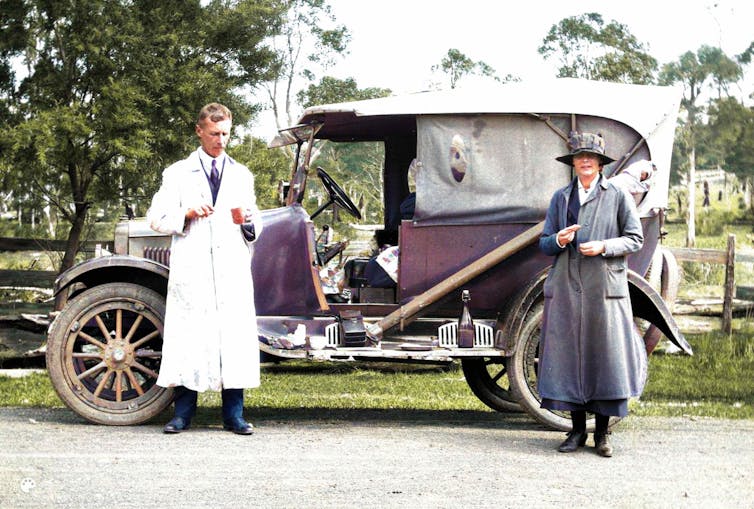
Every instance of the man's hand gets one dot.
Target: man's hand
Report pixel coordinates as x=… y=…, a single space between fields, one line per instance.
x=201 y=211
x=592 y=248
x=566 y=235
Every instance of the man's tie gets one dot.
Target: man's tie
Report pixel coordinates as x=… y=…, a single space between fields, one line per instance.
x=214 y=181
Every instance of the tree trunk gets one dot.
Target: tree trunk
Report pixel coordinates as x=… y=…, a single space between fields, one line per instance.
x=690 y=212
x=747 y=193
x=51 y=220
x=74 y=236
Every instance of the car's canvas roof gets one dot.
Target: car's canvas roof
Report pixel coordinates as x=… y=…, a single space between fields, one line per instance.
x=641 y=107
x=628 y=115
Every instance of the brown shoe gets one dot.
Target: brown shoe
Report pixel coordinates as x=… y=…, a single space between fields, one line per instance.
x=602 y=445
x=574 y=441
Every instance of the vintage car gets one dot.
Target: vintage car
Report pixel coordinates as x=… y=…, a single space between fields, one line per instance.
x=485 y=171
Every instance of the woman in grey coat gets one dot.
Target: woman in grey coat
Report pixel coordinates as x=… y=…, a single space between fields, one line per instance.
x=591 y=359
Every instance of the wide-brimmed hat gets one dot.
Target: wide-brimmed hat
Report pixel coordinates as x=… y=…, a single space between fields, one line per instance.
x=586 y=142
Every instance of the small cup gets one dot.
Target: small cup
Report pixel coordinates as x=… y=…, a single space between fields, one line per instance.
x=238 y=215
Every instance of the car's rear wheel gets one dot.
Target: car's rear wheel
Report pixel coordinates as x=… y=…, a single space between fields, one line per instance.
x=523 y=368
x=104 y=353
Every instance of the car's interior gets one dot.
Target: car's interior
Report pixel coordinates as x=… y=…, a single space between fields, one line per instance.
x=359 y=278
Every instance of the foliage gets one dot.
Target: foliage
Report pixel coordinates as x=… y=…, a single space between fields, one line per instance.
x=332 y=90
x=728 y=139
x=715 y=382
x=269 y=166
x=307 y=23
x=457 y=65
x=708 y=67
x=588 y=48
x=713 y=224
x=110 y=91
x=357 y=167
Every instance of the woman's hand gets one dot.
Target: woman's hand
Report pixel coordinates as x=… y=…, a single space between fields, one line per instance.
x=567 y=234
x=592 y=248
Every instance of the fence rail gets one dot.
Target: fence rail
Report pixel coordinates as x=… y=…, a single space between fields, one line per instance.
x=727 y=257
x=27 y=278
x=37 y=278
x=19 y=244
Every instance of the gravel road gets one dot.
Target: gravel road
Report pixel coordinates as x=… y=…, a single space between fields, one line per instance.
x=52 y=458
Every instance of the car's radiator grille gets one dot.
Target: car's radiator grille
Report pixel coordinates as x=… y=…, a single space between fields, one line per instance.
x=483 y=335
x=158 y=254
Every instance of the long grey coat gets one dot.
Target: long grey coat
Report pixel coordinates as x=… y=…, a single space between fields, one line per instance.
x=589 y=349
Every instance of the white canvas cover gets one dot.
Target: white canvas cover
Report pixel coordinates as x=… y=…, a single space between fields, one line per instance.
x=504 y=164
x=500 y=168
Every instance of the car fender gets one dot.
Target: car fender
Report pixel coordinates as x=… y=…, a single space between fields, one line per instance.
x=649 y=305
x=110 y=269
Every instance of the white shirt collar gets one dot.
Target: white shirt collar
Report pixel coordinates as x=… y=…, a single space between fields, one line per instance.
x=584 y=192
x=207 y=159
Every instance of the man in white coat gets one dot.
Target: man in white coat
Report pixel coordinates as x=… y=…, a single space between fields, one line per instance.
x=210 y=336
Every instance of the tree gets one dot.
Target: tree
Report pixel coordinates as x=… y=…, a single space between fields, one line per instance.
x=457 y=65
x=111 y=89
x=722 y=70
x=333 y=90
x=304 y=28
x=269 y=166
x=695 y=71
x=588 y=48
x=728 y=138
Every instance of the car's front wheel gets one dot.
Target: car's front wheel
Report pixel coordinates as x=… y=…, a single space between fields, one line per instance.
x=104 y=352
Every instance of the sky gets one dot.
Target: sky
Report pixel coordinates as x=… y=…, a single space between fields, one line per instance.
x=395 y=43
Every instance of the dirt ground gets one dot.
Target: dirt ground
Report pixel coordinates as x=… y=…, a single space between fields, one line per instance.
x=51 y=458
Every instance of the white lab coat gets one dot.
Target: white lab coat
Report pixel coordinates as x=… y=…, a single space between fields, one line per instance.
x=210 y=338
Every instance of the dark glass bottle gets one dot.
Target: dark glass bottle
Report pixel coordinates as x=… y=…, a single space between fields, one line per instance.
x=465 y=324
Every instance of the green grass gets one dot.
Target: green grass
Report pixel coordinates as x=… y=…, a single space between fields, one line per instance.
x=715 y=382
x=713 y=225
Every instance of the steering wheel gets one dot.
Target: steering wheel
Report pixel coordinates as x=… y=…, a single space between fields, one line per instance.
x=337 y=196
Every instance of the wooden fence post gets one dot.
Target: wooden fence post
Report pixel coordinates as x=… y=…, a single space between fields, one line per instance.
x=730 y=285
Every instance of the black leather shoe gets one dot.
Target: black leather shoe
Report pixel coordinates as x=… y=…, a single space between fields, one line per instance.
x=239 y=427
x=602 y=445
x=176 y=425
x=575 y=440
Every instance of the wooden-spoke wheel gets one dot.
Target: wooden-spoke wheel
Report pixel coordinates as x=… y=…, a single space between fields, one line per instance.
x=104 y=352
x=488 y=380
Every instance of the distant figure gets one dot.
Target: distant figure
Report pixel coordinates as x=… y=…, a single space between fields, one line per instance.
x=129 y=211
x=705 y=203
